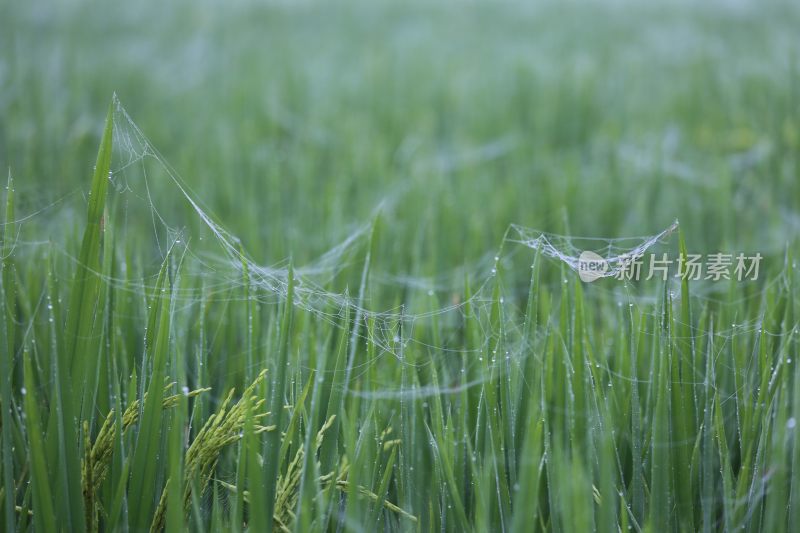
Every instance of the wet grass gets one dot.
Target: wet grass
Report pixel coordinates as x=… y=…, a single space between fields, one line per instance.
x=156 y=375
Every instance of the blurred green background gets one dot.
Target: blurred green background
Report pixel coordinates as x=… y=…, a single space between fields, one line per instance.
x=293 y=120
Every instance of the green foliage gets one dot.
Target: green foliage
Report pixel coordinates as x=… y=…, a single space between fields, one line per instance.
x=150 y=381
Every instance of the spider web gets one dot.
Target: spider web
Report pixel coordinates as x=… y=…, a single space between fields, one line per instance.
x=138 y=164
x=215 y=266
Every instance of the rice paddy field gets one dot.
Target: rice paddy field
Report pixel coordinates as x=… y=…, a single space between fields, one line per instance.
x=317 y=266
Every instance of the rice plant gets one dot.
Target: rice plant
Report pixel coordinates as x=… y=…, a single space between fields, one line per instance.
x=360 y=302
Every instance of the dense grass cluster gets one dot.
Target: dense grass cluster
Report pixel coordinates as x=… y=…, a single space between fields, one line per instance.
x=182 y=352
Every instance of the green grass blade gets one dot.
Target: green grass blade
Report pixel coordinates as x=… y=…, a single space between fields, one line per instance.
x=80 y=336
x=272 y=444
x=145 y=462
x=43 y=511
x=7 y=363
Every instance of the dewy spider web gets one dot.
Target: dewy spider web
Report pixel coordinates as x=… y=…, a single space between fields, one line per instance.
x=146 y=189
x=612 y=250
